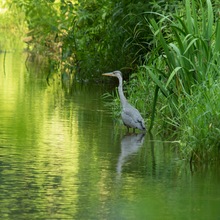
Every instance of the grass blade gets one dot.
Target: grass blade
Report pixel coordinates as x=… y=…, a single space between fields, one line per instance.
x=174 y=72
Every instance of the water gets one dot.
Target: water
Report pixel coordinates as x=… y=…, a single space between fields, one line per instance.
x=63 y=157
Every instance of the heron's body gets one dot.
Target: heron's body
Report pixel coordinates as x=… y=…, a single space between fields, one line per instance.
x=131 y=117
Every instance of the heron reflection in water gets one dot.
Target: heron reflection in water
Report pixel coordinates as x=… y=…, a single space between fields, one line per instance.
x=129 y=145
x=131 y=117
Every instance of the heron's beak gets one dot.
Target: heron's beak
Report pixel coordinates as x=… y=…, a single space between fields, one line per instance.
x=108 y=74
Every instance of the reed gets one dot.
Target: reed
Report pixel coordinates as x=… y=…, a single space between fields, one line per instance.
x=200 y=124
x=183 y=69
x=186 y=51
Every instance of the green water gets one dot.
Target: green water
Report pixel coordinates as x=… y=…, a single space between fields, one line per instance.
x=62 y=156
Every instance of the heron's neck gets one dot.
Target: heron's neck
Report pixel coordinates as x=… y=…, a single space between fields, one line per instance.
x=121 y=93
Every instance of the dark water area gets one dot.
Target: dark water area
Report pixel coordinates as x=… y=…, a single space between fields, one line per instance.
x=62 y=156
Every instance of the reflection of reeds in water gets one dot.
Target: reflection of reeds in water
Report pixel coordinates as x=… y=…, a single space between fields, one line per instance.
x=129 y=145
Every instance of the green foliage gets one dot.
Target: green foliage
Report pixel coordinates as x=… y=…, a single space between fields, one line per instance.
x=88 y=37
x=42 y=22
x=102 y=31
x=185 y=52
x=12 y=22
x=200 y=124
x=184 y=66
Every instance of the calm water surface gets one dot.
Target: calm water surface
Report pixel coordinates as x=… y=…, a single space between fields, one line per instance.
x=62 y=157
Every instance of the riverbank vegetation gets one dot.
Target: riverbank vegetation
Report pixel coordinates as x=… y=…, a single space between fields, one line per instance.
x=172 y=49
x=183 y=70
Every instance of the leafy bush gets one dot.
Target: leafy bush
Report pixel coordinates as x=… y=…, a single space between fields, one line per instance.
x=88 y=37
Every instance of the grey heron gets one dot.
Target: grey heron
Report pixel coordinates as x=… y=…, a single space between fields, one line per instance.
x=131 y=117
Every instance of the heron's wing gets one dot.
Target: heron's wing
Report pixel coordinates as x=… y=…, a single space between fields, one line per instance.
x=132 y=112
x=132 y=117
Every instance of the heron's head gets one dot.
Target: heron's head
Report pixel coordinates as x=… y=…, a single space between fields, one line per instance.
x=115 y=73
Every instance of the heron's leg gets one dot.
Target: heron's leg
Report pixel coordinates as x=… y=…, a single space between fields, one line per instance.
x=133 y=130
x=127 y=129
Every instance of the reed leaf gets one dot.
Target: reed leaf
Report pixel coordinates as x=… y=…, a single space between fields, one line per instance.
x=210 y=21
x=188 y=16
x=190 y=45
x=163 y=44
x=157 y=81
x=174 y=72
x=154 y=107
x=194 y=13
x=217 y=37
